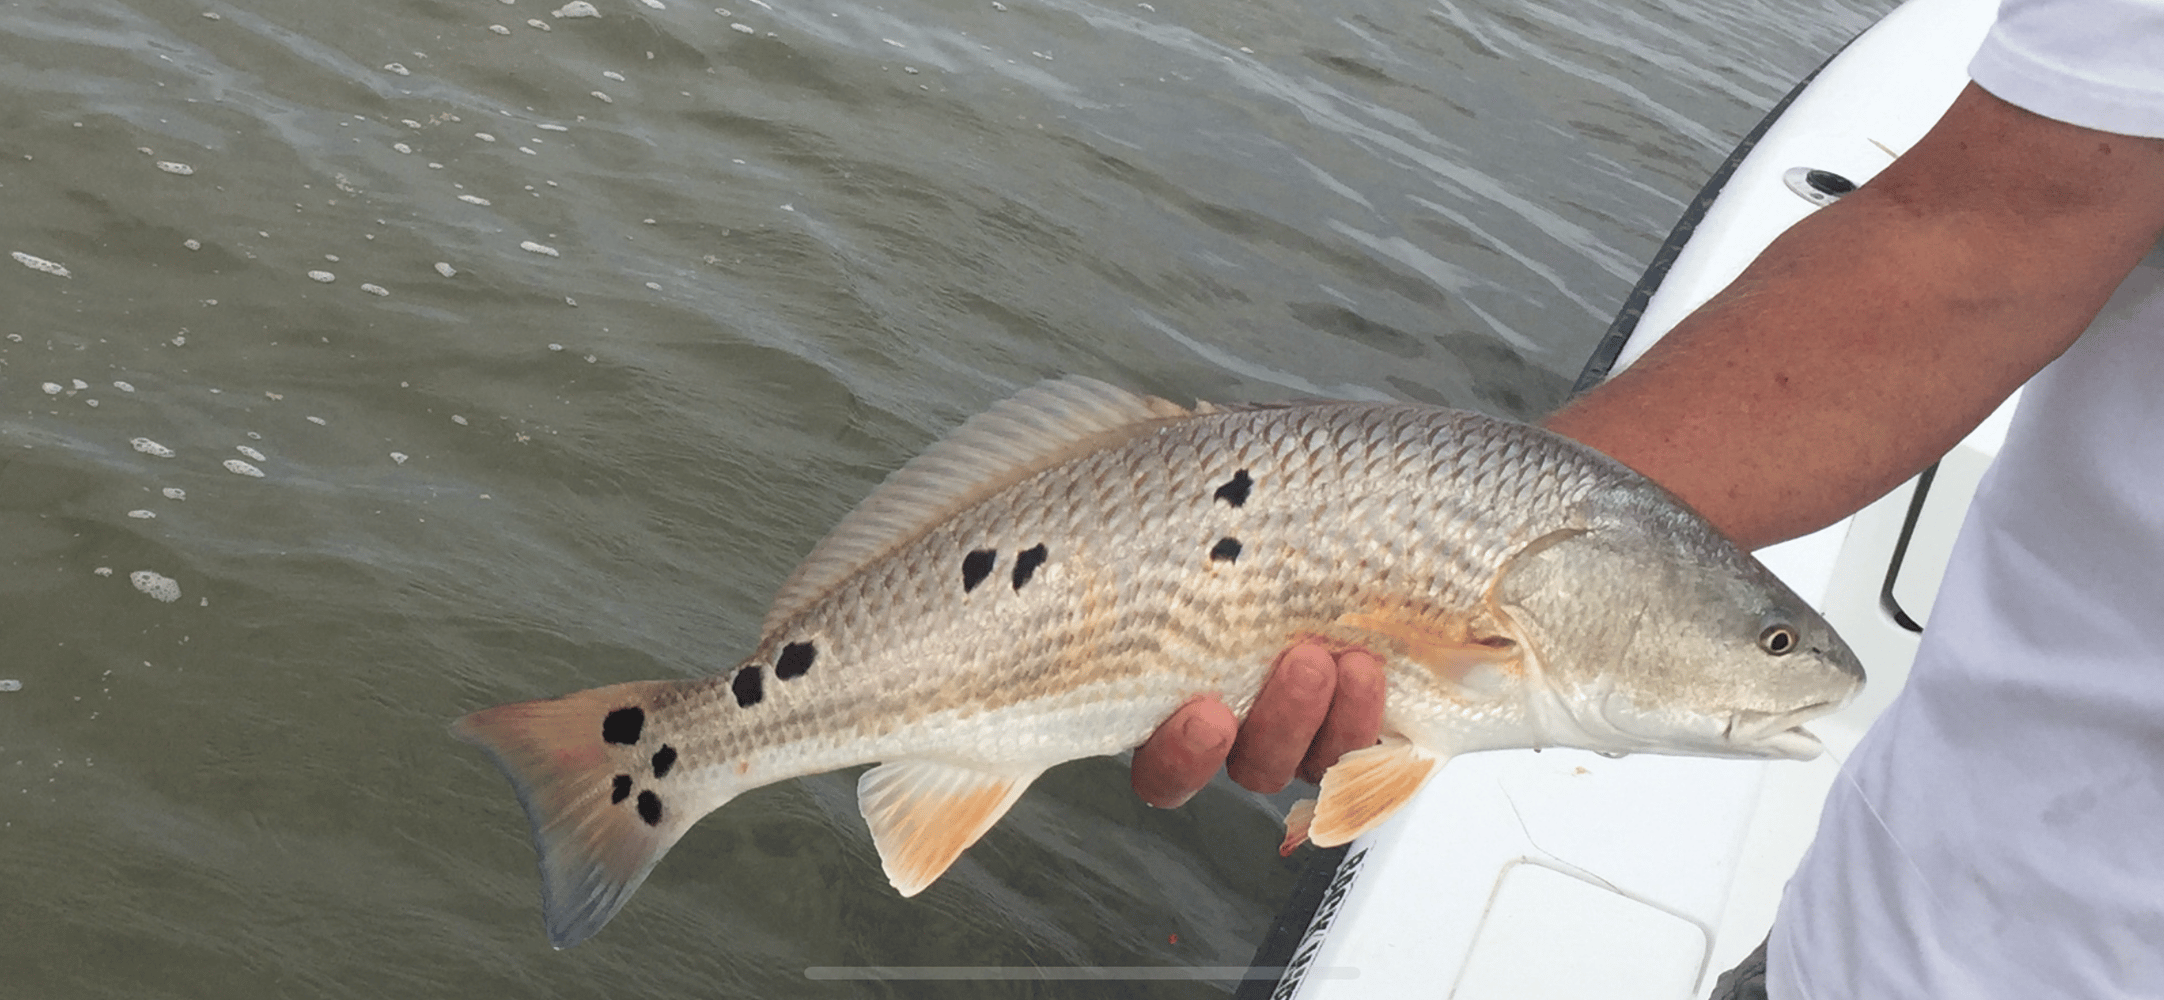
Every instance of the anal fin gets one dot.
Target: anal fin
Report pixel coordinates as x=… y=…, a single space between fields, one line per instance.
x=924 y=813
x=1364 y=787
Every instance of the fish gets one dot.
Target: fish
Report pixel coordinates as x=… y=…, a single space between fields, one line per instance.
x=1065 y=570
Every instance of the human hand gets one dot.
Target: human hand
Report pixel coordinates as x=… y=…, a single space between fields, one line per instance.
x=1314 y=708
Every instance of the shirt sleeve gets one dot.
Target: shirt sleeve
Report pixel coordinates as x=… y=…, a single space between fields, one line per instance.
x=2094 y=63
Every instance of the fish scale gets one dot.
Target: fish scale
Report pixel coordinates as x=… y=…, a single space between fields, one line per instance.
x=1176 y=553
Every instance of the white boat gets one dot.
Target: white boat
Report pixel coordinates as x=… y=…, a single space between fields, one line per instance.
x=1564 y=874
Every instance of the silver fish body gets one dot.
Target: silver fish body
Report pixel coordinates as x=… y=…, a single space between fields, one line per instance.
x=1057 y=577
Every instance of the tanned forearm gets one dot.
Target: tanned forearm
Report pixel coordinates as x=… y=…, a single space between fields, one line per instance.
x=1870 y=337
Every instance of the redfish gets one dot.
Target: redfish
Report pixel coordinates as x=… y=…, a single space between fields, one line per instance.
x=1065 y=570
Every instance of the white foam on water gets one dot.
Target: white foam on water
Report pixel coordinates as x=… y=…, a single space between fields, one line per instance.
x=656 y=4
x=745 y=28
x=318 y=421
x=10 y=684
x=92 y=403
x=398 y=457
x=499 y=29
x=103 y=571
x=484 y=137
x=39 y=264
x=531 y=247
x=446 y=270
x=613 y=75
x=123 y=387
x=175 y=168
x=142 y=515
x=398 y=69
x=151 y=448
x=323 y=276
x=402 y=147
x=162 y=587
x=240 y=468
x=80 y=385
x=603 y=98
x=544 y=126
x=535 y=22
x=576 y=8
x=54 y=388
x=556 y=347
x=459 y=420
x=473 y=199
x=374 y=289
x=192 y=244
x=250 y=452
x=174 y=493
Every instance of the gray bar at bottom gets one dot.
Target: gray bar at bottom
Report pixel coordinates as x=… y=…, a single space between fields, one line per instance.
x=1065 y=972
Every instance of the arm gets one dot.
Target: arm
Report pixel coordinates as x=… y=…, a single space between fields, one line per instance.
x=1870 y=337
x=1858 y=348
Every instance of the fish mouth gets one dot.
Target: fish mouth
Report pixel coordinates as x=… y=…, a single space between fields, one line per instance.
x=1778 y=734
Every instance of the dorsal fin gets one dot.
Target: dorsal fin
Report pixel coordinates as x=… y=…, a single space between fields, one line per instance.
x=1035 y=429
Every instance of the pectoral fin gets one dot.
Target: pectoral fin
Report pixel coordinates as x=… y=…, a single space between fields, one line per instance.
x=1479 y=666
x=924 y=814
x=1364 y=787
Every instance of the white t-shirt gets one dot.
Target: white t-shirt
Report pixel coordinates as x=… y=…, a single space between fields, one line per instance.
x=2004 y=835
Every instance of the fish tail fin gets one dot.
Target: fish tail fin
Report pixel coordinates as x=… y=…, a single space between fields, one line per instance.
x=1366 y=786
x=589 y=772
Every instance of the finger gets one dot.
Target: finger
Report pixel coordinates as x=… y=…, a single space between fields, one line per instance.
x=1184 y=753
x=1283 y=722
x=1356 y=714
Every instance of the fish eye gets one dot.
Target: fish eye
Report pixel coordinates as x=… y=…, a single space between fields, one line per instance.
x=1777 y=639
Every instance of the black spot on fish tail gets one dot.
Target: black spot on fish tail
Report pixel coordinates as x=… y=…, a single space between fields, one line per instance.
x=749 y=686
x=976 y=566
x=796 y=658
x=664 y=759
x=1026 y=563
x=1235 y=489
x=620 y=789
x=1226 y=550
x=623 y=725
x=650 y=808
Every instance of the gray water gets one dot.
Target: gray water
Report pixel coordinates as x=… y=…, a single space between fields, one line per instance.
x=789 y=242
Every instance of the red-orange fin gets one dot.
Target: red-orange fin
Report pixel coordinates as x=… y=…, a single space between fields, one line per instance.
x=1450 y=653
x=925 y=813
x=600 y=821
x=1297 y=820
x=1364 y=787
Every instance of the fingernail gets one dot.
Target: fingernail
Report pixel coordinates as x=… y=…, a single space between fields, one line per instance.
x=1197 y=736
